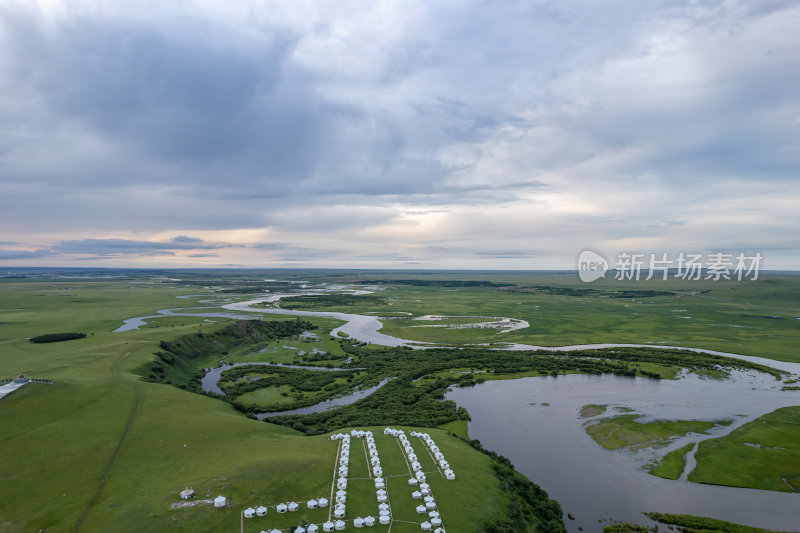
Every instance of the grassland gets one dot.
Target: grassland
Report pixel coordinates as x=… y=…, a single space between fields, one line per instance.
x=765 y=452
x=103 y=449
x=753 y=318
x=625 y=431
x=700 y=524
x=672 y=464
x=591 y=410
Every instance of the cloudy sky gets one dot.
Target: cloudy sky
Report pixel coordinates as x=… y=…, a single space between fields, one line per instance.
x=401 y=134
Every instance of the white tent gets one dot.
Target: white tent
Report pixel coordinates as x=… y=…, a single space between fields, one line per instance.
x=428 y=499
x=220 y=501
x=293 y=506
x=282 y=508
x=426 y=526
x=300 y=529
x=383 y=507
x=439 y=530
x=312 y=504
x=413 y=481
x=436 y=521
x=339 y=525
x=358 y=522
x=417 y=495
x=261 y=511
x=430 y=506
x=369 y=521
x=313 y=528
x=322 y=502
x=382 y=498
x=338 y=513
x=384 y=519
x=187 y=493
x=327 y=526
x=249 y=512
x=421 y=509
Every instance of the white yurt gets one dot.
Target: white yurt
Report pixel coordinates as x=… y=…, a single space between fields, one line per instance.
x=249 y=512
x=426 y=526
x=327 y=526
x=417 y=495
x=384 y=519
x=369 y=521
x=428 y=499
x=430 y=506
x=358 y=522
x=378 y=471
x=339 y=525
x=449 y=475
x=187 y=493
x=338 y=513
x=220 y=501
x=341 y=499
x=299 y=529
x=421 y=509
x=261 y=511
x=439 y=530
x=293 y=506
x=282 y=508
x=420 y=476
x=413 y=482
x=436 y=521
x=311 y=504
x=425 y=492
x=313 y=528
x=382 y=498
x=381 y=492
x=434 y=514
x=341 y=483
x=339 y=506
x=322 y=502
x=383 y=507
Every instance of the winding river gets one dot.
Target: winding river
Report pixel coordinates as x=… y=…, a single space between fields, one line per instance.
x=549 y=445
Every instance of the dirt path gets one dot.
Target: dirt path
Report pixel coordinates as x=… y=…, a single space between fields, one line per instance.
x=128 y=425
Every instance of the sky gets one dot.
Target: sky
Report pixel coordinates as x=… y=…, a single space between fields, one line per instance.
x=396 y=134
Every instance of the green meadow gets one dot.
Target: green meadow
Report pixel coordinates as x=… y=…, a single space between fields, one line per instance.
x=765 y=452
x=102 y=450
x=749 y=317
x=625 y=431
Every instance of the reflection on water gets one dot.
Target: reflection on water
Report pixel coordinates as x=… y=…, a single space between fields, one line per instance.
x=210 y=380
x=550 y=446
x=328 y=404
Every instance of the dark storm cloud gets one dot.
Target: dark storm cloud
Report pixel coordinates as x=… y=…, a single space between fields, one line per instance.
x=102 y=247
x=318 y=119
x=23 y=254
